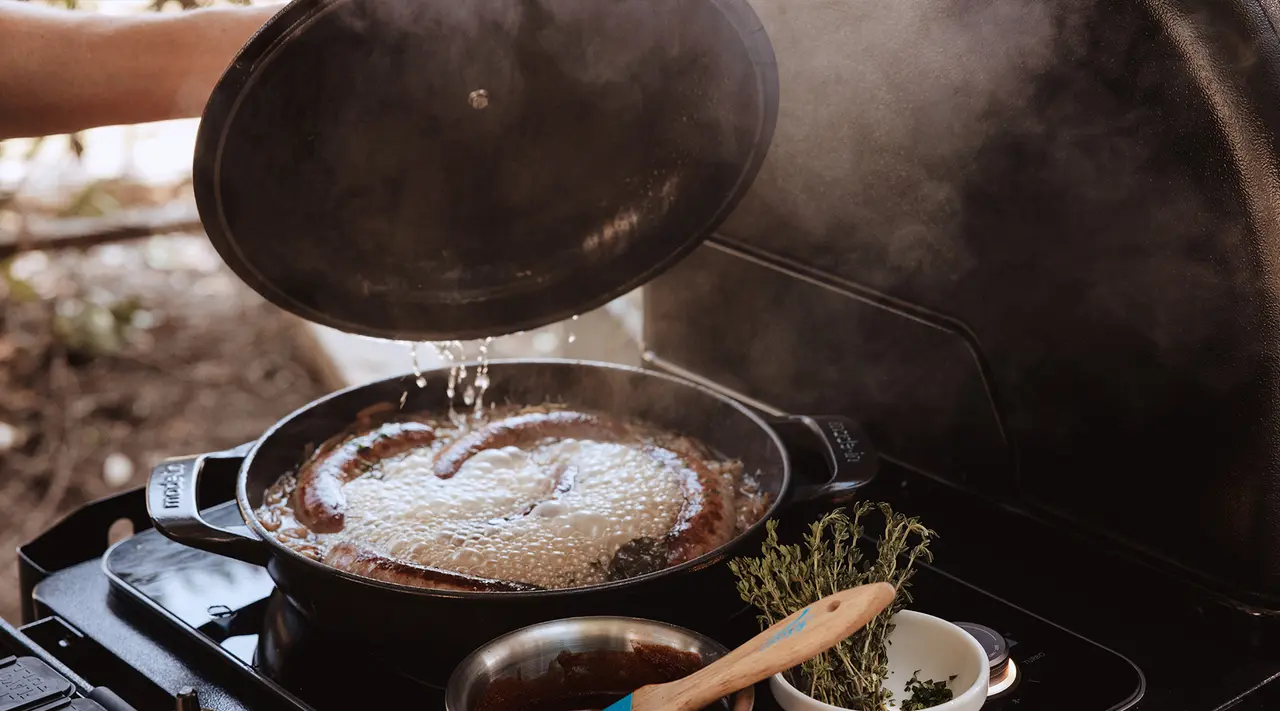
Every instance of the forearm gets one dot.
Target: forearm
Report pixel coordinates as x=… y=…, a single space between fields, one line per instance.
x=63 y=71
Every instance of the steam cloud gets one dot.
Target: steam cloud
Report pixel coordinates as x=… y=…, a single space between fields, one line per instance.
x=887 y=108
x=884 y=104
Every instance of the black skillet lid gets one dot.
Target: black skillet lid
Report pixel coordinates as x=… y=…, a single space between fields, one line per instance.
x=452 y=169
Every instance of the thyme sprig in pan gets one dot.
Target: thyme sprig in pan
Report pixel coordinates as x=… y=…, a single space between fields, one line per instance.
x=786 y=578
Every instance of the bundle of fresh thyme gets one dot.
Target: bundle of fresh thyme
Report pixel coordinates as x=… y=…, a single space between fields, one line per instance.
x=785 y=579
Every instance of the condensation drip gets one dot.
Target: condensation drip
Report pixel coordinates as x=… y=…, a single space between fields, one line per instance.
x=419 y=378
x=466 y=383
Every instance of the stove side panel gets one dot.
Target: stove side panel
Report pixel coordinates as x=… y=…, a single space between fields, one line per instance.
x=1087 y=193
x=802 y=346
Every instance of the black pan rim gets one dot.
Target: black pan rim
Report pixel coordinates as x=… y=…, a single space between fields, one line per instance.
x=704 y=561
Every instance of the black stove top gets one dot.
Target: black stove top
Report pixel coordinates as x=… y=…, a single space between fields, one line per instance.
x=232 y=608
x=154 y=619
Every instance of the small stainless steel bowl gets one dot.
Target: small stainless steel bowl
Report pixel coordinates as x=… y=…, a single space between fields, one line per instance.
x=529 y=653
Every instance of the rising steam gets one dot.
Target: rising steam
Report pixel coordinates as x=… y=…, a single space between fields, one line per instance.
x=883 y=105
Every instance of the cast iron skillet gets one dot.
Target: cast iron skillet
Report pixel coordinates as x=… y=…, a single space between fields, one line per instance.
x=351 y=607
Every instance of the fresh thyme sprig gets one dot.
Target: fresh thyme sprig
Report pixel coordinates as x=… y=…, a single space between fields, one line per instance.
x=786 y=578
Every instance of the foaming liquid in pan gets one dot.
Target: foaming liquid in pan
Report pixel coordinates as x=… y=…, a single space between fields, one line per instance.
x=551 y=516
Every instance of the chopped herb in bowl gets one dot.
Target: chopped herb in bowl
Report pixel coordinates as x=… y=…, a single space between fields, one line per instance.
x=926 y=694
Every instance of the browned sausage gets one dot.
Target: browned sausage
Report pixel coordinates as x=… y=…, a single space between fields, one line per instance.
x=706 y=520
x=689 y=448
x=364 y=562
x=319 y=501
x=522 y=431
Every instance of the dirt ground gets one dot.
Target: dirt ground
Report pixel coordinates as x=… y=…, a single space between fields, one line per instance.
x=114 y=358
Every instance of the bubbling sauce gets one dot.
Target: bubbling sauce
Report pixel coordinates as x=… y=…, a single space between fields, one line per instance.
x=590 y=681
x=550 y=513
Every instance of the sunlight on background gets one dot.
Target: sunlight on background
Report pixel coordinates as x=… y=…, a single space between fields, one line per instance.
x=156 y=153
x=149 y=154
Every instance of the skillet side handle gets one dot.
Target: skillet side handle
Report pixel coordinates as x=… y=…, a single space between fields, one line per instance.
x=172 y=505
x=851 y=460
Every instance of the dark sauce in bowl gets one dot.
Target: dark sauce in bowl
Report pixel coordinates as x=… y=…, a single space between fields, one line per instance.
x=590 y=681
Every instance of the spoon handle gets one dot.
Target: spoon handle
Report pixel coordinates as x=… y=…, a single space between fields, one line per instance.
x=793 y=641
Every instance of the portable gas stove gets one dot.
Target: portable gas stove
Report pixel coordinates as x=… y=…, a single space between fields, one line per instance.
x=166 y=626
x=1067 y=318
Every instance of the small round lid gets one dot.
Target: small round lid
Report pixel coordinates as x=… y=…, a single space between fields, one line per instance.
x=453 y=169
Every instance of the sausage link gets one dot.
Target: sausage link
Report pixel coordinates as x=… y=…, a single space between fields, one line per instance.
x=364 y=562
x=320 y=503
x=522 y=431
x=705 y=522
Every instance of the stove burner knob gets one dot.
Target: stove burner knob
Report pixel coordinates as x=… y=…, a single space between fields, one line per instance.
x=993 y=643
x=1004 y=673
x=188 y=700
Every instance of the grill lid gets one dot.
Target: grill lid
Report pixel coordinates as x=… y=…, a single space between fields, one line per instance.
x=434 y=170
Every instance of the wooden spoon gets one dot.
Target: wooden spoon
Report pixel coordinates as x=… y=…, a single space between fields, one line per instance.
x=793 y=641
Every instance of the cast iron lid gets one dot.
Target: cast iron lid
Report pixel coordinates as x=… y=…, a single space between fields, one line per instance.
x=452 y=169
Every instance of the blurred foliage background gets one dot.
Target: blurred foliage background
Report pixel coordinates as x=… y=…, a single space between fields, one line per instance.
x=123 y=338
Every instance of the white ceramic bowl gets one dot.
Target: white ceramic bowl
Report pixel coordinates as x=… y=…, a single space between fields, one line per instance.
x=918 y=641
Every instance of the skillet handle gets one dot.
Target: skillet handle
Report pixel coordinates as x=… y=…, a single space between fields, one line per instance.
x=843 y=446
x=173 y=507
